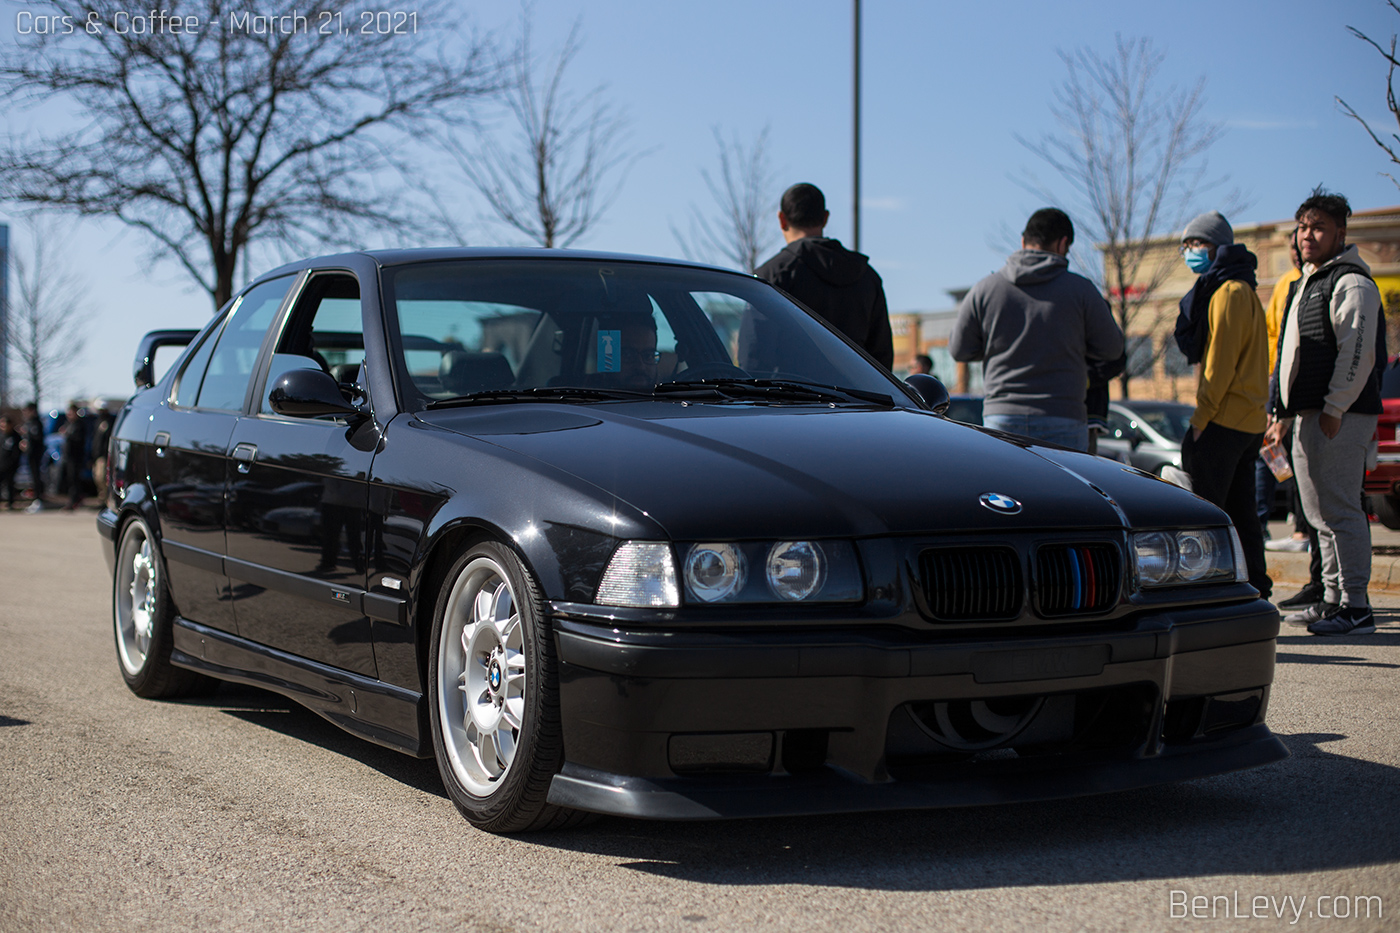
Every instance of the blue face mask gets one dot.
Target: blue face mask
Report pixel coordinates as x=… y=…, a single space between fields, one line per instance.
x=1197 y=259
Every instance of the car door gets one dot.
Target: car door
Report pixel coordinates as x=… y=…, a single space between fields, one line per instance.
x=187 y=455
x=297 y=495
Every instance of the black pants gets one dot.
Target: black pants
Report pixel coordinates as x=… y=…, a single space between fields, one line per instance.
x=72 y=480
x=7 y=484
x=36 y=476
x=1221 y=466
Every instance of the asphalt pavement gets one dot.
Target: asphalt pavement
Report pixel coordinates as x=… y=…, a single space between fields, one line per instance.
x=242 y=811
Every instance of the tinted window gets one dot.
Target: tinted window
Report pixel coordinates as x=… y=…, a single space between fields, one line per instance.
x=187 y=390
x=226 y=380
x=324 y=332
x=491 y=325
x=1170 y=421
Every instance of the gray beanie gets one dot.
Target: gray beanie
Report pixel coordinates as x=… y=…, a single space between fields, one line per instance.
x=1211 y=227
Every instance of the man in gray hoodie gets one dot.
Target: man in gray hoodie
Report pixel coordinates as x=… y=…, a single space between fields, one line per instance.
x=1036 y=325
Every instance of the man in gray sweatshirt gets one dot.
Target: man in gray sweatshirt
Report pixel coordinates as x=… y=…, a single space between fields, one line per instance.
x=1036 y=324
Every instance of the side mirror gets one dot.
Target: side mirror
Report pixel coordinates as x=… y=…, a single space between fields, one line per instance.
x=1135 y=438
x=143 y=371
x=933 y=392
x=307 y=393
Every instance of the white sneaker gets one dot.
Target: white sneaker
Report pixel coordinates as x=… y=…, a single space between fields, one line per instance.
x=34 y=507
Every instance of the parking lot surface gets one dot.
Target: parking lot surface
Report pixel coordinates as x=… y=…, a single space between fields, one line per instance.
x=242 y=811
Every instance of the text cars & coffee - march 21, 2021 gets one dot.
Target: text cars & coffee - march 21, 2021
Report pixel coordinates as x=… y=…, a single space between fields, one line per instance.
x=367 y=22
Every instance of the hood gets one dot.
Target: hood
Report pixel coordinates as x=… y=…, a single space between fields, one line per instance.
x=1033 y=266
x=830 y=261
x=734 y=471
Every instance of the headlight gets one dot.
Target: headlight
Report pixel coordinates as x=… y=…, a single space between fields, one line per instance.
x=1194 y=555
x=783 y=571
x=714 y=571
x=795 y=569
x=641 y=573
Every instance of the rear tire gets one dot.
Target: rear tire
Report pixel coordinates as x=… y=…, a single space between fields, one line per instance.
x=143 y=620
x=494 y=695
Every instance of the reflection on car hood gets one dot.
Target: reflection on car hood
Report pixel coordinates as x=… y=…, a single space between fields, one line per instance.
x=705 y=471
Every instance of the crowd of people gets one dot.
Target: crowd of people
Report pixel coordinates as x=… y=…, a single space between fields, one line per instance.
x=80 y=470
x=1304 y=376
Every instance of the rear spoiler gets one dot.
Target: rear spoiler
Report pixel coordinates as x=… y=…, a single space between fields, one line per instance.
x=143 y=370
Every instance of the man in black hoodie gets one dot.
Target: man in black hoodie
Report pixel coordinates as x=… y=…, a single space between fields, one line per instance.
x=835 y=282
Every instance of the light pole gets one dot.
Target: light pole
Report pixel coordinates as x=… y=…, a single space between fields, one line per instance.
x=855 y=130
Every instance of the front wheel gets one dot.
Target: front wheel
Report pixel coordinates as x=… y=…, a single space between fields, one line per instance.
x=143 y=620
x=494 y=695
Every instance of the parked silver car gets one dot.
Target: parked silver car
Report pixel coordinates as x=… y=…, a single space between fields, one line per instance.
x=1146 y=434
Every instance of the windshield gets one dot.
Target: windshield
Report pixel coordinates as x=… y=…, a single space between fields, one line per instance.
x=477 y=327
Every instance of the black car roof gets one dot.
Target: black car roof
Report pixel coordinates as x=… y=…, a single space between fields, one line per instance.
x=397 y=257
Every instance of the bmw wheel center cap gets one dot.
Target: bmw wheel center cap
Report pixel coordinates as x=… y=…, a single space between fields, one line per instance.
x=999 y=502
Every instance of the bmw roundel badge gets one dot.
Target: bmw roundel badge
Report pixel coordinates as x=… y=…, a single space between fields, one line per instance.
x=999 y=503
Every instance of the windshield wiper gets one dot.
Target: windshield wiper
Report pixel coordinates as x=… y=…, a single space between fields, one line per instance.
x=776 y=389
x=539 y=394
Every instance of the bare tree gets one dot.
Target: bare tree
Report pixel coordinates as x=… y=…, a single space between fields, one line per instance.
x=1132 y=154
x=48 y=310
x=740 y=231
x=1391 y=62
x=280 y=125
x=564 y=159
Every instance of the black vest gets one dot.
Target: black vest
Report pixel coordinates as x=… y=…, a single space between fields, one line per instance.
x=1317 y=347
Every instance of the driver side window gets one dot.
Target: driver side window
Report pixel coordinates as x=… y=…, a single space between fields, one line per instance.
x=324 y=331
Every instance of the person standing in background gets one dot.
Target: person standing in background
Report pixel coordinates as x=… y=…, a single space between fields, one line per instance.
x=10 y=442
x=1037 y=325
x=1330 y=360
x=1222 y=327
x=837 y=284
x=33 y=444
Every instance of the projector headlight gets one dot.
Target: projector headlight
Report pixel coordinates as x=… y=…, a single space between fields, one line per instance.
x=714 y=571
x=767 y=572
x=1193 y=555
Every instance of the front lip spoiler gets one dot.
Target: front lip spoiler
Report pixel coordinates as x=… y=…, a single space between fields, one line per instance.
x=835 y=791
x=815 y=652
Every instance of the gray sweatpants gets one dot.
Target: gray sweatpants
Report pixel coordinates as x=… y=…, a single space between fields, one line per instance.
x=1329 y=474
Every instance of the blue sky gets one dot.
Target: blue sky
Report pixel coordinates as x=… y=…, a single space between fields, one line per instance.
x=946 y=86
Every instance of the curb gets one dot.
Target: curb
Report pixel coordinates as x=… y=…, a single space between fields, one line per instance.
x=1292 y=568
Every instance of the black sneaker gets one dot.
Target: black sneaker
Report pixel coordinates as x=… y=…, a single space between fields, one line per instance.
x=1346 y=620
x=1312 y=593
x=1314 y=613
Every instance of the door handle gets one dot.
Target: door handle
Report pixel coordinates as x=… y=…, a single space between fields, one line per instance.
x=245 y=454
x=162 y=440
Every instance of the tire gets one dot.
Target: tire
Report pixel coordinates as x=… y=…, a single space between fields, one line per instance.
x=1387 y=510
x=143 y=620
x=494 y=695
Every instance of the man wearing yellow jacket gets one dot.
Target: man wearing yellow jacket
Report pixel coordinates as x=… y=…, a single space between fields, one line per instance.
x=1222 y=327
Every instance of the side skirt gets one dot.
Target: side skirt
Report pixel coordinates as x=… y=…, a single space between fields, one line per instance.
x=387 y=715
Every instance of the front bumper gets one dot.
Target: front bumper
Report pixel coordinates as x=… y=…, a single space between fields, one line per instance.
x=836 y=721
x=107 y=527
